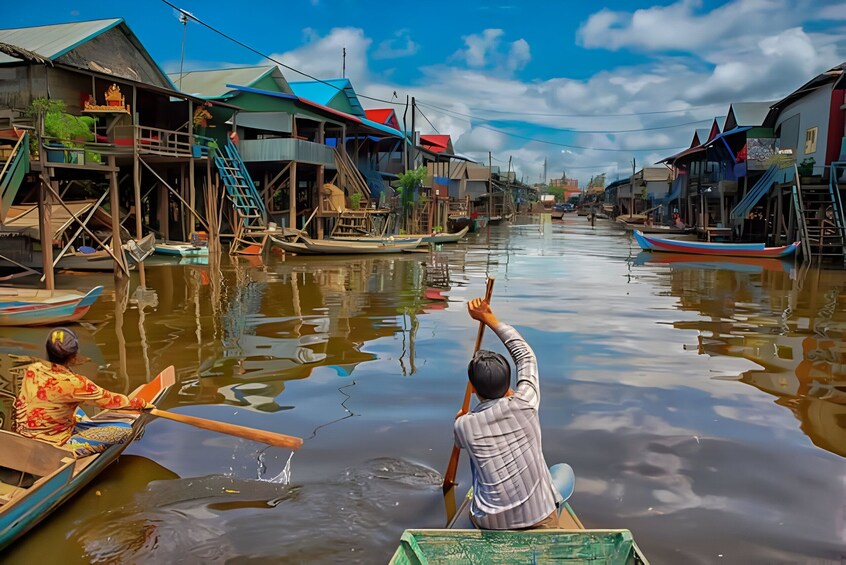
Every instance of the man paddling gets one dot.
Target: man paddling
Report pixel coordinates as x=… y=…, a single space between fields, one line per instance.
x=50 y=394
x=512 y=486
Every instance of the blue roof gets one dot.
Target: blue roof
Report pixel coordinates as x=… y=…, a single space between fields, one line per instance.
x=728 y=133
x=369 y=123
x=323 y=92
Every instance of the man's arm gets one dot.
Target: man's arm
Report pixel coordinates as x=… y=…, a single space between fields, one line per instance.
x=528 y=386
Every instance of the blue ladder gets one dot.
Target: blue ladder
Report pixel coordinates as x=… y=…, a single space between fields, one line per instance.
x=12 y=172
x=250 y=212
x=754 y=195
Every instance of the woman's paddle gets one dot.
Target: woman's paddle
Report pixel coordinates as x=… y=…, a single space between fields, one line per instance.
x=452 y=468
x=270 y=438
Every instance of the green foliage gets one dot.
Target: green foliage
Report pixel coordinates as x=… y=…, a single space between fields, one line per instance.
x=408 y=182
x=806 y=167
x=70 y=130
x=437 y=229
x=355 y=200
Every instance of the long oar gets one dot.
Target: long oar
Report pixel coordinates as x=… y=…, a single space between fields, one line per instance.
x=452 y=468
x=270 y=438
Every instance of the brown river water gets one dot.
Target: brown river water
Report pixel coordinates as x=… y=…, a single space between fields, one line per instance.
x=701 y=404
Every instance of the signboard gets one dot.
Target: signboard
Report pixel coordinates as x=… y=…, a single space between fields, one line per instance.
x=759 y=152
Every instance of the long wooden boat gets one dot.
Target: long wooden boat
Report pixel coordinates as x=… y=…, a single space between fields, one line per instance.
x=571 y=543
x=37 y=307
x=654 y=229
x=436 y=238
x=36 y=477
x=307 y=246
x=648 y=243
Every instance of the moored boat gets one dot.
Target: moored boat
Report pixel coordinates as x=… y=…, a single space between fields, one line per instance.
x=436 y=238
x=38 y=477
x=648 y=243
x=307 y=246
x=38 y=307
x=181 y=249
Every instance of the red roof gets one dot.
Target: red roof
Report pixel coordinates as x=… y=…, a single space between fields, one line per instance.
x=384 y=116
x=435 y=143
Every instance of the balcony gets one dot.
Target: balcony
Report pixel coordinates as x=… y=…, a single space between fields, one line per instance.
x=286 y=149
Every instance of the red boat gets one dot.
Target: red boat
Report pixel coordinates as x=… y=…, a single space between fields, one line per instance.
x=714 y=249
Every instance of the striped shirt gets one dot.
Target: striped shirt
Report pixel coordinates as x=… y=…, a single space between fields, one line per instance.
x=512 y=487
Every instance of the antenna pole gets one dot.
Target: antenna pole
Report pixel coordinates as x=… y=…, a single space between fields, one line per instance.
x=183 y=19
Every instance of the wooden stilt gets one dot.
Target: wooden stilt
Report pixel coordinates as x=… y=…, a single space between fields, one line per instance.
x=114 y=204
x=45 y=213
x=292 y=196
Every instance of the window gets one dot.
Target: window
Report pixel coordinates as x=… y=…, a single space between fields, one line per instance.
x=811 y=141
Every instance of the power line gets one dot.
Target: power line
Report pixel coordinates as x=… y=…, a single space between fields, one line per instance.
x=264 y=56
x=427 y=119
x=573 y=130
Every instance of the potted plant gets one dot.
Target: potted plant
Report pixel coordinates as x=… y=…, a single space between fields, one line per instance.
x=806 y=168
x=64 y=131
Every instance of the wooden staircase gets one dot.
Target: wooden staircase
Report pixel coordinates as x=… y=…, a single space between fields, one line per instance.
x=250 y=224
x=821 y=221
x=352 y=223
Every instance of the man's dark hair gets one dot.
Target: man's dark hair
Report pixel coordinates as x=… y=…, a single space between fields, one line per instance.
x=62 y=344
x=490 y=374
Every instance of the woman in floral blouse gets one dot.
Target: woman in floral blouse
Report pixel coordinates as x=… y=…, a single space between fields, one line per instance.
x=50 y=394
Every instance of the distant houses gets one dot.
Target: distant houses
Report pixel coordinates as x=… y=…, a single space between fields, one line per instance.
x=772 y=172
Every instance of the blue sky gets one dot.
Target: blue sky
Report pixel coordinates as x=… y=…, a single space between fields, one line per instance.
x=528 y=79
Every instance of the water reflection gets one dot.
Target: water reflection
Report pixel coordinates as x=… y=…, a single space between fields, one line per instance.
x=645 y=368
x=792 y=328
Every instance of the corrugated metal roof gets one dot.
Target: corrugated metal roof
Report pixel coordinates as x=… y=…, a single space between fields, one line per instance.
x=385 y=116
x=436 y=143
x=53 y=41
x=348 y=117
x=211 y=84
x=750 y=114
x=323 y=92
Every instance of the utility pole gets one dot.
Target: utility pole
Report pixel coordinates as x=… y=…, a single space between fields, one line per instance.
x=343 y=62
x=631 y=186
x=405 y=139
x=183 y=19
x=413 y=163
x=490 y=185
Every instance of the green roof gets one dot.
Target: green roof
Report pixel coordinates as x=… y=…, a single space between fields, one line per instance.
x=211 y=84
x=53 y=41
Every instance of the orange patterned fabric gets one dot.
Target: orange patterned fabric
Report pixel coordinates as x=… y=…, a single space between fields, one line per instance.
x=49 y=396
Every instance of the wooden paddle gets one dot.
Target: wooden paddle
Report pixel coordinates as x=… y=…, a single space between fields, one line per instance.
x=452 y=468
x=270 y=438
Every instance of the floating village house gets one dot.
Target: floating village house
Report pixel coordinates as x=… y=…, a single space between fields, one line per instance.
x=774 y=173
x=143 y=136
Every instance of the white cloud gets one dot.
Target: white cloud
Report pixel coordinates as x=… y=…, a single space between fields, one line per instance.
x=479 y=46
x=323 y=56
x=680 y=26
x=698 y=62
x=519 y=55
x=833 y=12
x=400 y=45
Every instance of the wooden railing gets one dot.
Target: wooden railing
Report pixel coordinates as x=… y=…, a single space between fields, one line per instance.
x=155 y=141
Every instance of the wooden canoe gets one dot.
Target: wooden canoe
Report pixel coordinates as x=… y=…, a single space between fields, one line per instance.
x=51 y=474
x=571 y=543
x=436 y=238
x=307 y=246
x=37 y=307
x=648 y=243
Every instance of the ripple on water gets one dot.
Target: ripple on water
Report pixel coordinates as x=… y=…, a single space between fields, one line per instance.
x=217 y=518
